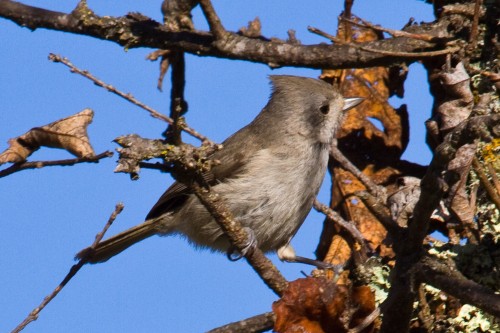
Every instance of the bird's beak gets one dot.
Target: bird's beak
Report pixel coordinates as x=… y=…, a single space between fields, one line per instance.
x=349 y=103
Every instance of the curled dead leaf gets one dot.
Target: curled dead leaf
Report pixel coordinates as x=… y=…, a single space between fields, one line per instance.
x=69 y=133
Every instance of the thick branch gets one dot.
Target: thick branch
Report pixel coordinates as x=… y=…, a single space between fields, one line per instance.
x=135 y=30
x=398 y=306
x=452 y=282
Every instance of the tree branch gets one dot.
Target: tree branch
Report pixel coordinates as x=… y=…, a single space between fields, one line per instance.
x=155 y=114
x=213 y=19
x=40 y=164
x=256 y=324
x=397 y=308
x=136 y=30
x=239 y=238
x=335 y=217
x=448 y=279
x=33 y=315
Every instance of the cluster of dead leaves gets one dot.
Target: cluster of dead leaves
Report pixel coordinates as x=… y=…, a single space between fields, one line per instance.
x=318 y=305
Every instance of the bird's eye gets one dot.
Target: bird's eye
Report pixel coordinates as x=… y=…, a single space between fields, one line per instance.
x=325 y=109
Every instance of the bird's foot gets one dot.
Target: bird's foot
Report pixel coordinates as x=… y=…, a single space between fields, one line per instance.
x=234 y=254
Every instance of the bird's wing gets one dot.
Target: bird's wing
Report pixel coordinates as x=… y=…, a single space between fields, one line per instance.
x=231 y=158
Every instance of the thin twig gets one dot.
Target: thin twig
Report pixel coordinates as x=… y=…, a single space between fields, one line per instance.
x=379 y=209
x=424 y=314
x=424 y=54
x=366 y=322
x=475 y=25
x=40 y=164
x=213 y=20
x=178 y=105
x=335 y=217
x=255 y=324
x=392 y=32
x=494 y=176
x=128 y=97
x=495 y=197
x=384 y=52
x=33 y=315
x=348 y=37
x=344 y=162
x=325 y=34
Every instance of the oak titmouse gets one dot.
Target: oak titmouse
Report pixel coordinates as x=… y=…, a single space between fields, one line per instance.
x=269 y=174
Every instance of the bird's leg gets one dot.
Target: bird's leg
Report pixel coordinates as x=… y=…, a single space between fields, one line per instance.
x=287 y=253
x=233 y=254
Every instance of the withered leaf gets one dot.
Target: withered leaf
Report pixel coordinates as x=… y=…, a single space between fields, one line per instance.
x=69 y=133
x=318 y=305
x=373 y=135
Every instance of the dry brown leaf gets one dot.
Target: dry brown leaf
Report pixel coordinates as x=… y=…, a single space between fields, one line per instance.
x=339 y=251
x=373 y=136
x=318 y=305
x=69 y=133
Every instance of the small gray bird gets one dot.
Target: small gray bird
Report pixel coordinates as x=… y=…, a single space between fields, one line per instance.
x=270 y=171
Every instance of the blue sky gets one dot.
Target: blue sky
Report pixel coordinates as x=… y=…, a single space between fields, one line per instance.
x=47 y=215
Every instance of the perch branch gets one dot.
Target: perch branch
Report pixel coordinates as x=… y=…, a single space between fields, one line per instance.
x=239 y=238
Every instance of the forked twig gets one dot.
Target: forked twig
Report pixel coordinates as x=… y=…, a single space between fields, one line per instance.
x=213 y=19
x=33 y=315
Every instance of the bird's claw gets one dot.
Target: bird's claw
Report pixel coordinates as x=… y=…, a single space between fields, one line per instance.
x=234 y=254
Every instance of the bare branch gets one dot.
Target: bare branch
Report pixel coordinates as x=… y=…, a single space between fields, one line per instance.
x=344 y=162
x=72 y=272
x=366 y=322
x=349 y=227
x=128 y=97
x=135 y=30
x=452 y=282
x=395 y=33
x=256 y=324
x=493 y=194
x=213 y=19
x=475 y=25
x=397 y=308
x=40 y=164
x=178 y=105
x=378 y=208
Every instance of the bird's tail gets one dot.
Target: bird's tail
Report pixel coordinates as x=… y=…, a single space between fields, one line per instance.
x=118 y=243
